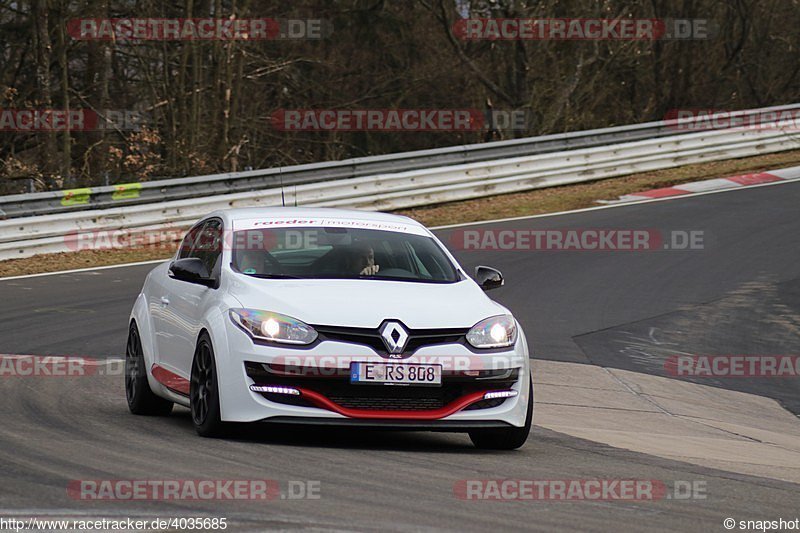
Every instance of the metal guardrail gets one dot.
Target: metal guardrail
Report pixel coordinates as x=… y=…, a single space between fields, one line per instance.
x=22 y=237
x=66 y=201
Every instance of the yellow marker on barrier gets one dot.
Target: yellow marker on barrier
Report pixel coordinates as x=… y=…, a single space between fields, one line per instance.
x=126 y=191
x=76 y=196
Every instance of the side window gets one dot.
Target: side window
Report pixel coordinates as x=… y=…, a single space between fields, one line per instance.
x=188 y=242
x=208 y=246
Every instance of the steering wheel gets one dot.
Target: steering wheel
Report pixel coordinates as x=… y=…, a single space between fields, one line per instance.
x=269 y=258
x=396 y=272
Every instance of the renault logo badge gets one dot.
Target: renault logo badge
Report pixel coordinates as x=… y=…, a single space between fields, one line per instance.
x=395 y=337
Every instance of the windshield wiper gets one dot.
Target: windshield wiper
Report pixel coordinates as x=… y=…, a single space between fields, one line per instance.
x=378 y=277
x=272 y=276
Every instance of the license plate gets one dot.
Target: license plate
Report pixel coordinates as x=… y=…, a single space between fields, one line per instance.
x=396 y=374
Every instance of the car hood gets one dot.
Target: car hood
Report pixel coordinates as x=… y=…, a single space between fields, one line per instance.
x=367 y=303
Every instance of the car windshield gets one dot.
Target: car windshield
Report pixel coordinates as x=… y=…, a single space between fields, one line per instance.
x=340 y=253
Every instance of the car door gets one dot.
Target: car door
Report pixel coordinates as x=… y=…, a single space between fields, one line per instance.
x=183 y=304
x=159 y=299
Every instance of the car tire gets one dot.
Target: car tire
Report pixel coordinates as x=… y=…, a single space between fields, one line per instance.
x=141 y=399
x=204 y=391
x=505 y=438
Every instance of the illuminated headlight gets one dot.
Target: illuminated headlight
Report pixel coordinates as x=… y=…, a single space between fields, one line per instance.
x=267 y=326
x=495 y=332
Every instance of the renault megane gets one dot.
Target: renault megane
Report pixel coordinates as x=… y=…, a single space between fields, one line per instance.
x=327 y=317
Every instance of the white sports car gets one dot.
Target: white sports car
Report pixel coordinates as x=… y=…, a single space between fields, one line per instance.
x=327 y=317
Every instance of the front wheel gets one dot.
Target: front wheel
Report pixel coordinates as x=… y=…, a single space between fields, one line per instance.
x=505 y=438
x=141 y=400
x=204 y=391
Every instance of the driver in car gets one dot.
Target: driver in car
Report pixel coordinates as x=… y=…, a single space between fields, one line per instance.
x=362 y=261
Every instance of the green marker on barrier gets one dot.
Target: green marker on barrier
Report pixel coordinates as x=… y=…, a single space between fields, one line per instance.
x=76 y=197
x=126 y=191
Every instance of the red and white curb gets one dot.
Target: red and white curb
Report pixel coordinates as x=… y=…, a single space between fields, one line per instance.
x=717 y=184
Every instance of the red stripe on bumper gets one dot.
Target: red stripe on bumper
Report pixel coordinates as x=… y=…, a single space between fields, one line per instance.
x=429 y=414
x=170 y=380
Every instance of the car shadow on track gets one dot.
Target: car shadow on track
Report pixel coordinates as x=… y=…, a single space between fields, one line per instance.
x=340 y=438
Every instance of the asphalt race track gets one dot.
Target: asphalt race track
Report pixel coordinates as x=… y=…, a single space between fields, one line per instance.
x=739 y=294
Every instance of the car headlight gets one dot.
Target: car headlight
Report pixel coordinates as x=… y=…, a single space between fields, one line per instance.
x=494 y=332
x=268 y=326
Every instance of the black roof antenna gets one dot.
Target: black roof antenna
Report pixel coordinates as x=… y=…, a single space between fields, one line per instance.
x=283 y=200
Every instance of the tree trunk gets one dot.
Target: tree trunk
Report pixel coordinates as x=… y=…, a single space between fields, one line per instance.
x=41 y=27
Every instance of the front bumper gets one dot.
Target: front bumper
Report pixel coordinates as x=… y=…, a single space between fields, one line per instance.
x=443 y=426
x=320 y=375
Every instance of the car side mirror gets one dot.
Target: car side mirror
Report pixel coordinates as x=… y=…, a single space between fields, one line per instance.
x=488 y=278
x=192 y=270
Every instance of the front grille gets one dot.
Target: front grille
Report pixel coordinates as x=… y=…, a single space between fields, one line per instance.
x=417 y=338
x=339 y=390
x=391 y=397
x=388 y=404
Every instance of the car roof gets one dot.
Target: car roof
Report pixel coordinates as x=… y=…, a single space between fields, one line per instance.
x=245 y=213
